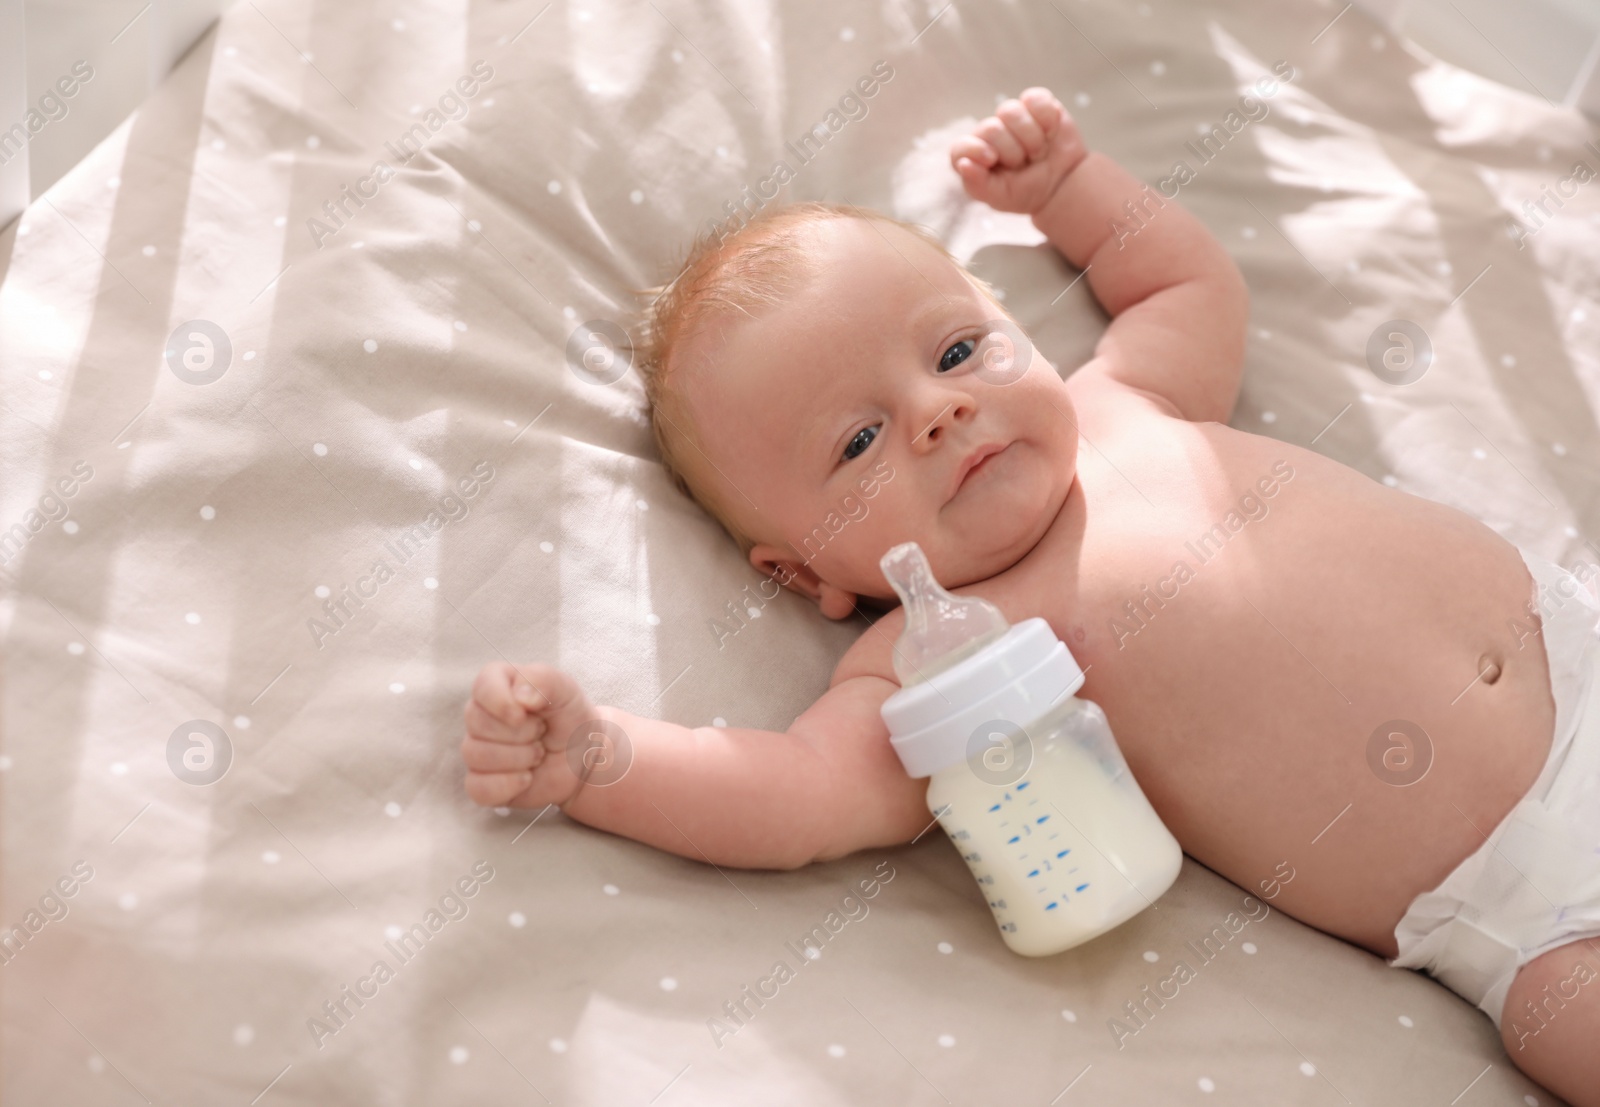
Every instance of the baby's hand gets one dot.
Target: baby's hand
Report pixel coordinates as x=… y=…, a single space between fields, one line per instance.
x=519 y=722
x=1014 y=160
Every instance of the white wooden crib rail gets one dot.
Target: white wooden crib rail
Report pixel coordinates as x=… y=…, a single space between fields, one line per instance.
x=71 y=70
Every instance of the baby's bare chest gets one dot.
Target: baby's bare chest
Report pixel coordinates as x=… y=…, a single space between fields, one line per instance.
x=1301 y=665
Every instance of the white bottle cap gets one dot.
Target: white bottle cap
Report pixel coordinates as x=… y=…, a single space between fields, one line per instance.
x=1017 y=678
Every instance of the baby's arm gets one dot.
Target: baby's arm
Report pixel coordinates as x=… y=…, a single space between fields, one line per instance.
x=1178 y=303
x=732 y=796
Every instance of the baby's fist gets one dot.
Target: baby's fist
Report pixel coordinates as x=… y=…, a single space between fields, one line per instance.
x=519 y=724
x=1015 y=159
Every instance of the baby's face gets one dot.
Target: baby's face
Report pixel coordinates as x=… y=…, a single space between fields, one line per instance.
x=840 y=422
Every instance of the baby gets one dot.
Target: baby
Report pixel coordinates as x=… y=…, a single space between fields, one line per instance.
x=1367 y=706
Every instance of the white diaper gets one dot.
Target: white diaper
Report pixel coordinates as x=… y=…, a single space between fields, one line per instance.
x=1535 y=883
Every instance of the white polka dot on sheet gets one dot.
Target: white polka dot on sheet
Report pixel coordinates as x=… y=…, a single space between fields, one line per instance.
x=1405 y=1021
x=1559 y=449
x=1508 y=360
x=119 y=768
x=677 y=55
x=1269 y=416
x=719 y=721
x=1206 y=1084
x=271 y=856
x=97 y=1063
x=207 y=512
x=193 y=618
x=945 y=947
x=71 y=525
x=1479 y=452
x=244 y=1034
x=370 y=345
x=1069 y=1014
x=312 y=142
x=947 y=1040
x=610 y=889
x=517 y=919
x=835 y=1050
x=570 y=313
x=321 y=591
x=1247 y=231
x=1308 y=1068
x=1249 y=947
x=5 y=762
x=148 y=251
x=460 y=325
x=279 y=221
x=319 y=449
x=75 y=649
x=636 y=197
x=127 y=901
x=459 y=1055
x=392 y=933
x=846 y=34
x=1151 y=956
x=558 y=1045
x=653 y=619
x=554 y=187
x=668 y=984
x=242 y=722
x=641 y=505
x=397 y=687
x=1391 y=480
x=45 y=374
x=392 y=809
x=546 y=547
x=1158 y=68
x=430 y=583
x=1082 y=99
x=415 y=463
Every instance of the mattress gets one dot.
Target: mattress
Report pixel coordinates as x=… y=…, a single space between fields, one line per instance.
x=295 y=440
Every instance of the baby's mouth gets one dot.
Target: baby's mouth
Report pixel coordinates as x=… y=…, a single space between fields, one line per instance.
x=989 y=458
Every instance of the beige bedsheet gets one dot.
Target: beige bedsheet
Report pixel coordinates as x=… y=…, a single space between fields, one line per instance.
x=418 y=339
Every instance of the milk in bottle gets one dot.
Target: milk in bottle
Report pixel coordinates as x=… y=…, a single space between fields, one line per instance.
x=1024 y=776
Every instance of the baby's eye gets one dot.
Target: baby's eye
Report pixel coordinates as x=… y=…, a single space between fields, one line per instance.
x=864 y=437
x=955 y=355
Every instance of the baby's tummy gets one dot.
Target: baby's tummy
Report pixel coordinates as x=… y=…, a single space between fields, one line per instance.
x=1332 y=711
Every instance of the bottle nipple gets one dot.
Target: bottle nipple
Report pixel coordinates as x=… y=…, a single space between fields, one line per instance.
x=940 y=629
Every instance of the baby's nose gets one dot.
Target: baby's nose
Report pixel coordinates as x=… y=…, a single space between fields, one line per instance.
x=952 y=409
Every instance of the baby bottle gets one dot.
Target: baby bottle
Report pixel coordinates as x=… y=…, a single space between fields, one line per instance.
x=1024 y=776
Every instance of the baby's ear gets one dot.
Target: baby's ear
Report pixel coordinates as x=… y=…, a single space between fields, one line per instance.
x=772 y=561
